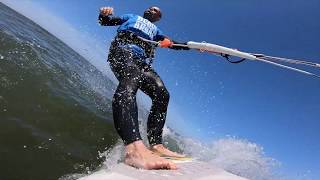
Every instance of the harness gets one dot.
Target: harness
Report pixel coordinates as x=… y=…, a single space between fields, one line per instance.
x=127 y=37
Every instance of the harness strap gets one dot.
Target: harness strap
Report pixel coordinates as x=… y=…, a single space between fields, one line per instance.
x=131 y=38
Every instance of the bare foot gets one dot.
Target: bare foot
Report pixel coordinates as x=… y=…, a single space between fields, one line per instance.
x=137 y=155
x=162 y=151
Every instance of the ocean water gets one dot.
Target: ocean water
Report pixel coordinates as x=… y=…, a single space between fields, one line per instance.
x=54 y=105
x=56 y=120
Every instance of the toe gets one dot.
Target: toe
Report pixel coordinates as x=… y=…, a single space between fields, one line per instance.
x=172 y=166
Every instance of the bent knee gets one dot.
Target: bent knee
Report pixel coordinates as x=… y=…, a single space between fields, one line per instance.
x=162 y=95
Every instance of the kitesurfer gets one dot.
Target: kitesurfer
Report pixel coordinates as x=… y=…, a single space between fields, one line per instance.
x=130 y=58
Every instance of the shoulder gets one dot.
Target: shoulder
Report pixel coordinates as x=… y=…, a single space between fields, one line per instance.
x=129 y=16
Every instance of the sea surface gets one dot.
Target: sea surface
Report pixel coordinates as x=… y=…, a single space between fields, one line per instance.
x=54 y=105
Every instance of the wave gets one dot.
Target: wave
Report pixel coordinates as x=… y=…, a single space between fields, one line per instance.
x=54 y=105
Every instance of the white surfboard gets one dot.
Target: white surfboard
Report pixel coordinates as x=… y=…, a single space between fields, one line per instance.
x=187 y=170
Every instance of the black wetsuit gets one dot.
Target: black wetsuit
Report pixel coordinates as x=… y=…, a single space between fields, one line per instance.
x=134 y=72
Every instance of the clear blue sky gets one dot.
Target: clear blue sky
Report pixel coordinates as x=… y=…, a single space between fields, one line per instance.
x=276 y=108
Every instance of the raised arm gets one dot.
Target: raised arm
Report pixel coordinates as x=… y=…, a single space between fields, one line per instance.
x=106 y=17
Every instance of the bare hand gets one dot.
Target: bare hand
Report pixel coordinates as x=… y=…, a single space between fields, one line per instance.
x=106 y=11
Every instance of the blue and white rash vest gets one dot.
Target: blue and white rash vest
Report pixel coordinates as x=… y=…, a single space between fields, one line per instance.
x=140 y=26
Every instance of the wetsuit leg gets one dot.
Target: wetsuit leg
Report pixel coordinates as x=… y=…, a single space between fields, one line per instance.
x=154 y=87
x=124 y=105
x=134 y=74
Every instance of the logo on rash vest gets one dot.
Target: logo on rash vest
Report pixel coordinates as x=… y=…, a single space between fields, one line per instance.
x=146 y=27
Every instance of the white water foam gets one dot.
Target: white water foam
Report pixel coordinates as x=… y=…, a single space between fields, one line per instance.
x=234 y=155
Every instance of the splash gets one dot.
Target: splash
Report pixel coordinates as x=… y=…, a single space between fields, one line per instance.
x=238 y=156
x=235 y=155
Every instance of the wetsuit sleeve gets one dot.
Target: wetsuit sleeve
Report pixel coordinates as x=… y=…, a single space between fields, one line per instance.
x=112 y=20
x=160 y=36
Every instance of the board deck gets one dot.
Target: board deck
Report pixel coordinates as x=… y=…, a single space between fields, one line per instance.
x=188 y=170
x=179 y=159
